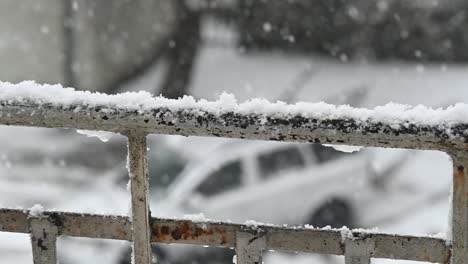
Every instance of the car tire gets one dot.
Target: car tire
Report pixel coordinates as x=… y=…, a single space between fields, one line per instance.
x=213 y=256
x=157 y=252
x=334 y=212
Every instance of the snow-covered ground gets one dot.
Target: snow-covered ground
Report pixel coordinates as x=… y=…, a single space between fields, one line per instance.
x=272 y=76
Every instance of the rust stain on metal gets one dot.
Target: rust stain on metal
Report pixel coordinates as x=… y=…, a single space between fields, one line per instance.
x=426 y=257
x=12 y=227
x=187 y=231
x=120 y=232
x=459 y=179
x=449 y=257
x=165 y=230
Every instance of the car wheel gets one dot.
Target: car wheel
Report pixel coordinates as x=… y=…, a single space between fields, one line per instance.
x=212 y=255
x=334 y=212
x=158 y=253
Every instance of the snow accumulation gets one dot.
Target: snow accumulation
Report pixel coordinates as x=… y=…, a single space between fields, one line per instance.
x=344 y=148
x=346 y=233
x=195 y=217
x=36 y=210
x=255 y=224
x=104 y=136
x=391 y=114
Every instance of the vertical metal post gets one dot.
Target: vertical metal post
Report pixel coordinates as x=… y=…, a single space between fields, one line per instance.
x=358 y=251
x=460 y=210
x=138 y=172
x=43 y=240
x=249 y=247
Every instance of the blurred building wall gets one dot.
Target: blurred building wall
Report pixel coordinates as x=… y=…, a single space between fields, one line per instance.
x=32 y=41
x=89 y=44
x=377 y=29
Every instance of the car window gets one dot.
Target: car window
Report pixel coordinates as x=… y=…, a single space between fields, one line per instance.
x=164 y=165
x=325 y=154
x=273 y=162
x=226 y=178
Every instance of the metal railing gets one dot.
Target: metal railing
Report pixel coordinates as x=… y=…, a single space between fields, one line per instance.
x=249 y=241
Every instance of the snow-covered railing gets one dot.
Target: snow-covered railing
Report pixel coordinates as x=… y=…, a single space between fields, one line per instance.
x=138 y=114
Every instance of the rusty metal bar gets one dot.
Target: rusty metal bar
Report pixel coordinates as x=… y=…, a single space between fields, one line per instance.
x=221 y=234
x=70 y=224
x=139 y=181
x=460 y=209
x=43 y=240
x=450 y=137
x=250 y=247
x=358 y=251
x=199 y=122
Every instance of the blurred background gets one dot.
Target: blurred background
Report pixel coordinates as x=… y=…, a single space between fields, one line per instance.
x=363 y=53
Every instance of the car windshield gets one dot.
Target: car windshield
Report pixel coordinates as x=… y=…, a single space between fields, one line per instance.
x=226 y=178
x=325 y=154
x=164 y=166
x=272 y=163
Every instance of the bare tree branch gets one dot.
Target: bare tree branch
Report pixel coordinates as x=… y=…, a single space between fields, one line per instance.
x=182 y=54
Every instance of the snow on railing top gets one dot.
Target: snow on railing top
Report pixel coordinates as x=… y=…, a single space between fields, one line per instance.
x=391 y=114
x=392 y=125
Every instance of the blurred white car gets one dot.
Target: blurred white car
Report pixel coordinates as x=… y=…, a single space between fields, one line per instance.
x=280 y=183
x=295 y=184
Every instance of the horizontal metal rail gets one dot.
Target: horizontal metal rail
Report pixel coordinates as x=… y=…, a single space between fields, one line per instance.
x=358 y=247
x=199 y=122
x=219 y=234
